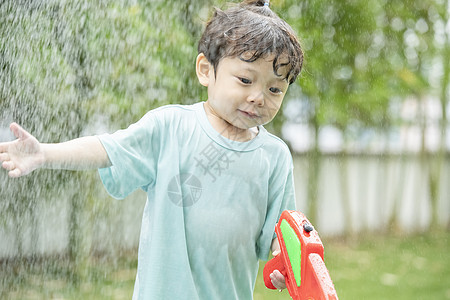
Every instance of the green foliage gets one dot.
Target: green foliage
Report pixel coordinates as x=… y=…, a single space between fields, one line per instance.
x=337 y=37
x=71 y=62
x=360 y=55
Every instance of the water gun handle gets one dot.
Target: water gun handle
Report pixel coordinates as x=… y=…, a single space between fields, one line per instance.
x=275 y=263
x=320 y=278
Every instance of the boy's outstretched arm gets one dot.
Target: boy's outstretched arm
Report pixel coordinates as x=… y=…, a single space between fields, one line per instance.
x=26 y=153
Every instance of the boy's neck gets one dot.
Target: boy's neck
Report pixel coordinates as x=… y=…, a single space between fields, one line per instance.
x=226 y=129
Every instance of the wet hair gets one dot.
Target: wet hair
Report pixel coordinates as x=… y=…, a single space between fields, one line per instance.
x=251 y=30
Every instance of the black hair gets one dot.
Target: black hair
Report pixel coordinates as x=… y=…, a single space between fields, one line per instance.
x=251 y=30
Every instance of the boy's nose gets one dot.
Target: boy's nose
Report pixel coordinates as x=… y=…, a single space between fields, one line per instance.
x=257 y=98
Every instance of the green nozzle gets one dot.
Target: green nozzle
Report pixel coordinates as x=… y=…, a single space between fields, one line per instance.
x=293 y=248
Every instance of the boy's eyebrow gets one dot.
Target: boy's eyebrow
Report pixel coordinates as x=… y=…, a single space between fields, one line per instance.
x=281 y=78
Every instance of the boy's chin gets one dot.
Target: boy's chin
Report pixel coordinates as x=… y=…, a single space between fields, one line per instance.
x=253 y=128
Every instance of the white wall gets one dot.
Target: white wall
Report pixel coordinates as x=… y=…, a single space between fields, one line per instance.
x=374 y=184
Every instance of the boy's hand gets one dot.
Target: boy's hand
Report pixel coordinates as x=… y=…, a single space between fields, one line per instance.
x=22 y=156
x=276 y=277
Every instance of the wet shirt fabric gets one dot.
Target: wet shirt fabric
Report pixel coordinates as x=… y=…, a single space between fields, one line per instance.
x=212 y=202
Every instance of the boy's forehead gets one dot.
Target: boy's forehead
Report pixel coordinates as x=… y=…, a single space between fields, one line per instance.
x=267 y=60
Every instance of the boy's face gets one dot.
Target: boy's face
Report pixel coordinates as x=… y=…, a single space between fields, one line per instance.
x=245 y=94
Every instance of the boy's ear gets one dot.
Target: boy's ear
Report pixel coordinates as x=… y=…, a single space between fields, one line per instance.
x=203 y=68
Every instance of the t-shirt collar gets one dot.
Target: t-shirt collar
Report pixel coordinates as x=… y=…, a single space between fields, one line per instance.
x=251 y=145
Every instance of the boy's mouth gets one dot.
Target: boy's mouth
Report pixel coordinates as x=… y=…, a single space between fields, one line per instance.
x=249 y=114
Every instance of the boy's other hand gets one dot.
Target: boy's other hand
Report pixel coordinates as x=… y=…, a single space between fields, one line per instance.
x=276 y=277
x=21 y=156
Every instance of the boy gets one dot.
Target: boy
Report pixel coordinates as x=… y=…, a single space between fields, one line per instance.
x=216 y=180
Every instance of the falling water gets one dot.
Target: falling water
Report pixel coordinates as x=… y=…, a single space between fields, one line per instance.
x=74 y=68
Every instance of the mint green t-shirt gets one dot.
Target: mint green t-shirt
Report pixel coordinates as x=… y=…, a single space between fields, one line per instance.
x=212 y=202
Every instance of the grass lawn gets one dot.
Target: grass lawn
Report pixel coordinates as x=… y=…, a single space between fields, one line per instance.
x=381 y=267
x=386 y=267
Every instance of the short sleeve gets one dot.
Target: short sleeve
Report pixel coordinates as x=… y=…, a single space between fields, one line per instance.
x=133 y=153
x=281 y=197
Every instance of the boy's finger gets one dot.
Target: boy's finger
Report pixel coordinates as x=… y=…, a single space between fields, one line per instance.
x=8 y=165
x=277 y=284
x=4 y=156
x=278 y=279
x=15 y=173
x=18 y=131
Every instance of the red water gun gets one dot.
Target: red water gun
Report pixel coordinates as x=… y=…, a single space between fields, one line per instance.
x=300 y=260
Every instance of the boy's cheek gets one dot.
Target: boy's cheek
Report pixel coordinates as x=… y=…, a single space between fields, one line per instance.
x=271 y=109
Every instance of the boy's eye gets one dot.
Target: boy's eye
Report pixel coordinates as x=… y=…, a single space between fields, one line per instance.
x=275 y=90
x=245 y=80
